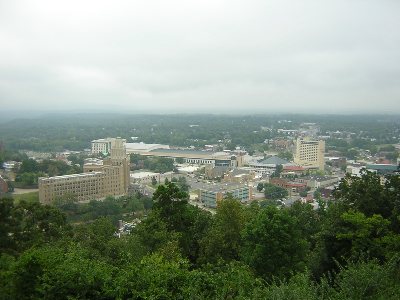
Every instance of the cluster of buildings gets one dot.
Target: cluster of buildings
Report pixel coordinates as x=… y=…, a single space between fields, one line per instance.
x=305 y=183
x=236 y=176
x=188 y=156
x=308 y=154
x=231 y=173
x=99 y=180
x=224 y=161
x=111 y=176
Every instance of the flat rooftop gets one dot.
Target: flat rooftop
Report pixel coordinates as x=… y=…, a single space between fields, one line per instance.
x=223 y=187
x=80 y=175
x=385 y=167
x=321 y=178
x=144 y=146
x=194 y=153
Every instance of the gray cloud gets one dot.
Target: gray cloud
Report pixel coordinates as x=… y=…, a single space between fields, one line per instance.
x=211 y=55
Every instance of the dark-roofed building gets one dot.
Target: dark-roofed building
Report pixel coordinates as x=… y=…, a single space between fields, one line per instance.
x=268 y=165
x=274 y=160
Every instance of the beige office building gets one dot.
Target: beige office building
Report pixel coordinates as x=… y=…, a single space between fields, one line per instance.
x=310 y=154
x=97 y=182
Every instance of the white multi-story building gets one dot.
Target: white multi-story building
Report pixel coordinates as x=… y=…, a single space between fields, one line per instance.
x=310 y=153
x=102 y=145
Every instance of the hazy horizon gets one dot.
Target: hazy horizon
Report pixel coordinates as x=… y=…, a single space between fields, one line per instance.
x=14 y=114
x=223 y=57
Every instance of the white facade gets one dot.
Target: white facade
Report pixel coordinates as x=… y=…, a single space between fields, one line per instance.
x=310 y=154
x=140 y=148
x=144 y=177
x=101 y=146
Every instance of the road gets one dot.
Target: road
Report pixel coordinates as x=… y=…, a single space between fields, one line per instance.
x=18 y=191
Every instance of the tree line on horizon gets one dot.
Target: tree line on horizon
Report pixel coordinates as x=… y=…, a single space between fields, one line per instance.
x=74 y=132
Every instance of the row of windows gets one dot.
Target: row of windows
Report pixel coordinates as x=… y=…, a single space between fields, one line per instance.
x=197 y=161
x=82 y=182
x=73 y=180
x=92 y=193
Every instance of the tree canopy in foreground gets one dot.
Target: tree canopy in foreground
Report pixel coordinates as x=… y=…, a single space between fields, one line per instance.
x=346 y=249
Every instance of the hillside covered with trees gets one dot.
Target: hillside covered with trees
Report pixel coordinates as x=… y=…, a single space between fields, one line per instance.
x=345 y=249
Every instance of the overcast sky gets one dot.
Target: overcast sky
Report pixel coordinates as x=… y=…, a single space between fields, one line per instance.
x=201 y=56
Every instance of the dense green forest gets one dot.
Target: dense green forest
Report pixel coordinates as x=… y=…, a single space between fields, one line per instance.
x=74 y=132
x=346 y=249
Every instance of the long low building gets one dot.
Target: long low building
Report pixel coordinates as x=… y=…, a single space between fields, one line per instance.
x=140 y=148
x=383 y=169
x=104 y=146
x=159 y=150
x=84 y=186
x=196 y=156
